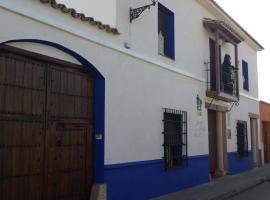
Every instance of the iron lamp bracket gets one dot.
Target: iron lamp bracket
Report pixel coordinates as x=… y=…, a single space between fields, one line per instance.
x=136 y=12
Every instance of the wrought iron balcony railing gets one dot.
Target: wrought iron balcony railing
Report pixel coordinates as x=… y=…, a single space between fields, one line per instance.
x=228 y=82
x=227 y=87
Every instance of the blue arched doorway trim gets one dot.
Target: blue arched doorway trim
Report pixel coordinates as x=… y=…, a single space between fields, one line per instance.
x=99 y=103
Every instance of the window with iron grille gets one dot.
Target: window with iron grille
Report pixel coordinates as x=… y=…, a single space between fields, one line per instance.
x=242 y=139
x=175 y=138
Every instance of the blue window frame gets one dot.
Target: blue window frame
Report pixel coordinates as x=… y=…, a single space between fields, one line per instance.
x=166 y=31
x=245 y=75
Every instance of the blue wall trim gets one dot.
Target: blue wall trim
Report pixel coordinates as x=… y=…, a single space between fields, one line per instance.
x=237 y=165
x=99 y=103
x=148 y=179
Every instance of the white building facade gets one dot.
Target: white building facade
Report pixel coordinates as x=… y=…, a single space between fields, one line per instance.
x=163 y=119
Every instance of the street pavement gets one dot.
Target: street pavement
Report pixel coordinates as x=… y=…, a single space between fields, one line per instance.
x=237 y=186
x=260 y=192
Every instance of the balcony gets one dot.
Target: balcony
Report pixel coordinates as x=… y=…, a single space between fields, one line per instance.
x=222 y=77
x=228 y=84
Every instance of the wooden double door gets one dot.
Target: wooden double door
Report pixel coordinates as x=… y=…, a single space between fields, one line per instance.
x=266 y=141
x=46 y=123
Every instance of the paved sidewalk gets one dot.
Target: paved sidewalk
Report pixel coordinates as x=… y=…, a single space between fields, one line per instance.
x=223 y=188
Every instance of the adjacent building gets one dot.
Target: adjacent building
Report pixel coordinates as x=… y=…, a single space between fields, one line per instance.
x=265 y=131
x=164 y=99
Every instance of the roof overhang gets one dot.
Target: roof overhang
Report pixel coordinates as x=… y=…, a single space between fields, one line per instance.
x=224 y=30
x=218 y=12
x=73 y=13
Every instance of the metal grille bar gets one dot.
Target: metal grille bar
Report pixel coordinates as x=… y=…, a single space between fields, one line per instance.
x=242 y=139
x=175 y=138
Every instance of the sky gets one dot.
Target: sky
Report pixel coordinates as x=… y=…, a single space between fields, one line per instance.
x=253 y=16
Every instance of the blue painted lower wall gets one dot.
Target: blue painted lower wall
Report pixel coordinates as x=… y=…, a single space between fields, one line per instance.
x=148 y=179
x=144 y=180
x=237 y=165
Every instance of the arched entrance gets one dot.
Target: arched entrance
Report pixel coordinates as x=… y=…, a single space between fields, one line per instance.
x=49 y=116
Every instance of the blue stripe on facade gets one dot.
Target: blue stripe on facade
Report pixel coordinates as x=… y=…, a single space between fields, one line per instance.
x=237 y=165
x=99 y=95
x=147 y=179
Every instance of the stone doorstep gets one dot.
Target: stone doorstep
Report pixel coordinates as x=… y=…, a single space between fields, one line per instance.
x=99 y=192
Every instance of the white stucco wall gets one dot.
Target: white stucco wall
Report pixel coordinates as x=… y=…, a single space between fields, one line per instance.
x=139 y=82
x=136 y=92
x=101 y=10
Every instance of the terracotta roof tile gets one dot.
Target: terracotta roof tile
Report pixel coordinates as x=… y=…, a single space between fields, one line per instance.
x=81 y=16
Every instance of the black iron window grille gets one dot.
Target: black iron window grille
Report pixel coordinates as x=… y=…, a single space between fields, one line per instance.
x=175 y=139
x=242 y=139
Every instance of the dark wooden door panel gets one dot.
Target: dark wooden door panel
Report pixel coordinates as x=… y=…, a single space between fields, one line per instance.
x=22 y=86
x=46 y=116
x=20 y=160
x=212 y=141
x=67 y=146
x=71 y=94
x=66 y=186
x=67 y=160
x=266 y=132
x=25 y=187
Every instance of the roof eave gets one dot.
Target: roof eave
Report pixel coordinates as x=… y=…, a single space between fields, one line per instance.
x=72 y=12
x=213 y=4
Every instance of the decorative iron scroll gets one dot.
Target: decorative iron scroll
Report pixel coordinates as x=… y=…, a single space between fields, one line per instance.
x=136 y=12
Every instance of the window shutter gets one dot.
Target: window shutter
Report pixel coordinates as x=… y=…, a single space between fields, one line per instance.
x=170 y=48
x=245 y=75
x=212 y=64
x=166 y=26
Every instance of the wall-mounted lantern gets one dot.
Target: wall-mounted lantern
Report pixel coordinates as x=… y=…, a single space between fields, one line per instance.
x=199 y=106
x=136 y=12
x=199 y=103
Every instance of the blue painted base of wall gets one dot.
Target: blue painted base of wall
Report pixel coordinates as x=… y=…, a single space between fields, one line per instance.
x=237 y=165
x=148 y=179
x=144 y=180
